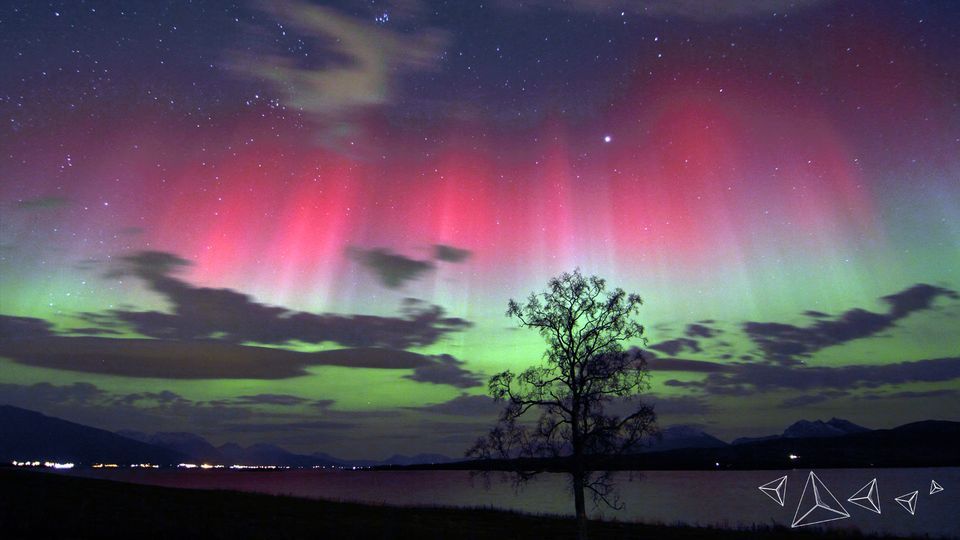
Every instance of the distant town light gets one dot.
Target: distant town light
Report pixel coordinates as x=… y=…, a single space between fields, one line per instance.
x=48 y=464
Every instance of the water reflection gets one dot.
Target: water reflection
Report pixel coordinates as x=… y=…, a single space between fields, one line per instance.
x=719 y=498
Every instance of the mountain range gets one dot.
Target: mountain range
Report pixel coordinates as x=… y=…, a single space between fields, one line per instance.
x=30 y=435
x=835 y=427
x=686 y=436
x=682 y=436
x=928 y=443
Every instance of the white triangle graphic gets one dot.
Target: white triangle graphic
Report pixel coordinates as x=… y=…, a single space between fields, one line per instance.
x=908 y=501
x=935 y=487
x=867 y=497
x=817 y=504
x=776 y=489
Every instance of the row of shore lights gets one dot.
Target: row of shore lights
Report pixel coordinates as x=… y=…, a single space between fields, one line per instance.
x=48 y=464
x=54 y=465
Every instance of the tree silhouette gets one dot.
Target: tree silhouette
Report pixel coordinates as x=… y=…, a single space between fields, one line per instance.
x=586 y=374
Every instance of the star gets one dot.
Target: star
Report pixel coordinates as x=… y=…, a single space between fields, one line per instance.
x=607 y=138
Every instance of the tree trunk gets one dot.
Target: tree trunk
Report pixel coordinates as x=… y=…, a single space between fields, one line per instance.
x=579 y=502
x=578 y=466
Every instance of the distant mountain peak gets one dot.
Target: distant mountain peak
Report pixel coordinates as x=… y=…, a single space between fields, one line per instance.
x=26 y=434
x=805 y=429
x=683 y=436
x=194 y=447
x=846 y=425
x=835 y=427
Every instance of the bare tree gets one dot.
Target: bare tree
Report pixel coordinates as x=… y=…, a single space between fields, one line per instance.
x=586 y=374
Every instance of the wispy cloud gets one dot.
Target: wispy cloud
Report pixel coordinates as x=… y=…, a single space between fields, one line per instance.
x=788 y=343
x=450 y=254
x=46 y=202
x=445 y=369
x=210 y=359
x=207 y=334
x=228 y=315
x=751 y=378
x=360 y=68
x=392 y=269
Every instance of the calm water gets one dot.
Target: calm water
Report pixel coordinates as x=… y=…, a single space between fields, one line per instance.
x=728 y=499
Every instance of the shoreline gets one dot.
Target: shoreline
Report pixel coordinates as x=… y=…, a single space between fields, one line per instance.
x=44 y=505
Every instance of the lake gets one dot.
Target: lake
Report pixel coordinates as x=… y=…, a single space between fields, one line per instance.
x=720 y=498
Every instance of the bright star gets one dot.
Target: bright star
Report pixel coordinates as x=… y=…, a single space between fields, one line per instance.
x=607 y=138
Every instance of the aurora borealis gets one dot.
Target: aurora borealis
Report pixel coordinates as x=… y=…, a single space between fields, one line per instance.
x=300 y=223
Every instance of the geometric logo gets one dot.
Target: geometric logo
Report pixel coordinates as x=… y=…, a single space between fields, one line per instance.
x=908 y=501
x=817 y=504
x=935 y=487
x=776 y=489
x=868 y=497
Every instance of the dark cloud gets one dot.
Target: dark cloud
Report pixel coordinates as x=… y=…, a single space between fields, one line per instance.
x=811 y=399
x=450 y=254
x=445 y=369
x=46 y=202
x=272 y=427
x=917 y=298
x=679 y=405
x=46 y=393
x=209 y=359
x=228 y=315
x=676 y=346
x=826 y=395
x=88 y=404
x=93 y=331
x=748 y=379
x=105 y=323
x=23 y=328
x=322 y=404
x=484 y=406
x=150 y=265
x=908 y=394
x=465 y=405
x=274 y=399
x=787 y=343
x=697 y=330
x=393 y=270
x=207 y=332
x=679 y=364
x=163 y=396
x=243 y=418
x=283 y=400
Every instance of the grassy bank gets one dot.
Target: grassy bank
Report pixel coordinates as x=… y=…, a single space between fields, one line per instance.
x=50 y=506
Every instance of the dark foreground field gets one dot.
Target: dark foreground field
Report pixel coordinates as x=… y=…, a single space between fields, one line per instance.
x=49 y=506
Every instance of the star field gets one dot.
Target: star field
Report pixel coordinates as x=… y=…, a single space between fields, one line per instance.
x=780 y=182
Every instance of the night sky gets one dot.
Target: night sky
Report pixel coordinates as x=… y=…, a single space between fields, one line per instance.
x=300 y=223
